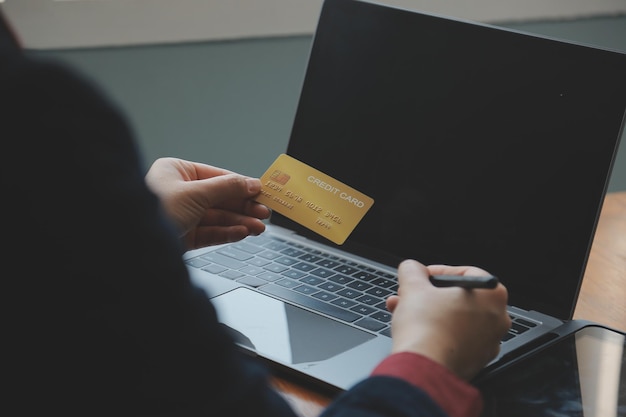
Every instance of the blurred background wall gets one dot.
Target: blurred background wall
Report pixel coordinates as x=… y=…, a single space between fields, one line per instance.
x=229 y=100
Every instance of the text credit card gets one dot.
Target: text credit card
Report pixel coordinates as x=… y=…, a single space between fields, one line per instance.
x=313 y=199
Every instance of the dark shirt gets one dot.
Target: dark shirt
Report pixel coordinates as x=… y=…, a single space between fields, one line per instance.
x=101 y=317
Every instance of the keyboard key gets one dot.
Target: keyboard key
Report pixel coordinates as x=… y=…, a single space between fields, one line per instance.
x=294 y=274
x=324 y=296
x=258 y=261
x=363 y=309
x=306 y=289
x=275 y=245
x=310 y=279
x=235 y=254
x=223 y=260
x=260 y=240
x=270 y=276
x=286 y=260
x=382 y=305
x=288 y=283
x=378 y=292
x=383 y=316
x=308 y=257
x=349 y=293
x=197 y=262
x=370 y=324
x=327 y=263
x=292 y=252
x=364 y=276
x=252 y=281
x=347 y=270
x=322 y=272
x=507 y=337
x=360 y=286
x=330 y=286
x=382 y=282
x=518 y=328
x=344 y=302
x=247 y=247
x=276 y=268
x=310 y=302
x=303 y=266
x=251 y=270
x=270 y=255
x=232 y=274
x=368 y=299
x=214 y=269
x=340 y=279
x=526 y=323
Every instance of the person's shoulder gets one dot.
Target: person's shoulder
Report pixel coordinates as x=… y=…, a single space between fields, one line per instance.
x=49 y=91
x=29 y=72
x=8 y=41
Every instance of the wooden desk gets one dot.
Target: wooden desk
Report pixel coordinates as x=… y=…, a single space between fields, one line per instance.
x=602 y=296
x=603 y=293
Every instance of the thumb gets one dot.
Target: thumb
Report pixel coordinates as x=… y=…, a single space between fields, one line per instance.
x=410 y=279
x=412 y=273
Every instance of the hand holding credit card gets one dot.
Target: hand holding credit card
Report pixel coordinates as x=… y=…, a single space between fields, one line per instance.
x=313 y=199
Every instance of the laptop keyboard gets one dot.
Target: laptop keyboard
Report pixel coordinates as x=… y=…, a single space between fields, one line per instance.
x=340 y=288
x=334 y=286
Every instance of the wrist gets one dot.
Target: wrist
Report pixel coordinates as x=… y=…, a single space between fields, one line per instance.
x=455 y=396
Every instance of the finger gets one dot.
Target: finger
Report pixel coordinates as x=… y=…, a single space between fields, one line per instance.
x=246 y=207
x=257 y=210
x=231 y=187
x=456 y=270
x=215 y=235
x=230 y=229
x=170 y=169
x=224 y=218
x=497 y=295
x=411 y=272
x=203 y=171
x=391 y=302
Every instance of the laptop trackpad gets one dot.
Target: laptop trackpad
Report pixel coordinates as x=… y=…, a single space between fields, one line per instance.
x=281 y=331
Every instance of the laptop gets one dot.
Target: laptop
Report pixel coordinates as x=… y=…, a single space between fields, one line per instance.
x=479 y=146
x=580 y=373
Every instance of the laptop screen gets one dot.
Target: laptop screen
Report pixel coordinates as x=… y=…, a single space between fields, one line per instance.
x=479 y=145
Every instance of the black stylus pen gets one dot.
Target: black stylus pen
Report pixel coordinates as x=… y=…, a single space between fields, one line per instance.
x=463 y=281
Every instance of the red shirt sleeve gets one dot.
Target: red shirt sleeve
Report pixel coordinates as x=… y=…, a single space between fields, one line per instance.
x=455 y=396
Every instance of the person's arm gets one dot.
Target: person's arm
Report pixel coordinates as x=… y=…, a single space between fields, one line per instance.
x=456 y=397
x=103 y=297
x=104 y=319
x=191 y=191
x=441 y=338
x=208 y=205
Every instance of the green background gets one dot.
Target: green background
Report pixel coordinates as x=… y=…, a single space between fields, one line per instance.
x=232 y=103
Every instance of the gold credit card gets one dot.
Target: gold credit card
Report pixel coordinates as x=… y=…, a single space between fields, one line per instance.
x=313 y=199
